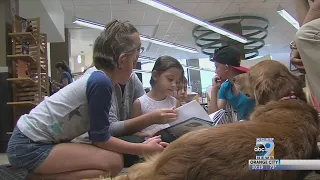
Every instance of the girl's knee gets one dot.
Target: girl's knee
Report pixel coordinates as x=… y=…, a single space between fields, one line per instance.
x=114 y=164
x=117 y=165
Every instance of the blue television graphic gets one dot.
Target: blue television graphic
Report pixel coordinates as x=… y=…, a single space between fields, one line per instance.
x=264 y=148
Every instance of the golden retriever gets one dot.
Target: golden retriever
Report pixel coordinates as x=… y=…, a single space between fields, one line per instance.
x=222 y=152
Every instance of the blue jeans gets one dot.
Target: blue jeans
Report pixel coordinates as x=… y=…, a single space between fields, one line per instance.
x=25 y=153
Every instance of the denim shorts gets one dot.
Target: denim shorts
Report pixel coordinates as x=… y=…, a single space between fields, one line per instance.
x=25 y=153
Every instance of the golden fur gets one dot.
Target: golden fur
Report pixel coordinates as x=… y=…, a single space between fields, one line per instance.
x=222 y=153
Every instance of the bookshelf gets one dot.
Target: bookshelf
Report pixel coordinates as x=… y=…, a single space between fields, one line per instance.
x=29 y=65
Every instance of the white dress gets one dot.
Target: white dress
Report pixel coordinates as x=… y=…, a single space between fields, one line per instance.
x=149 y=105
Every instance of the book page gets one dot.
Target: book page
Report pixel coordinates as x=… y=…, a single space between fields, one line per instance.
x=191 y=110
x=217 y=116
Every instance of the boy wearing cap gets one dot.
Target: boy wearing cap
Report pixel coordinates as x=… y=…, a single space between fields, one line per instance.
x=227 y=62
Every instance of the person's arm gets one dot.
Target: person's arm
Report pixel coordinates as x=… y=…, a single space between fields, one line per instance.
x=118 y=145
x=56 y=83
x=64 y=82
x=302 y=8
x=138 y=87
x=313 y=13
x=160 y=116
x=217 y=102
x=129 y=126
x=99 y=95
x=136 y=109
x=138 y=123
x=218 y=99
x=64 y=79
x=116 y=126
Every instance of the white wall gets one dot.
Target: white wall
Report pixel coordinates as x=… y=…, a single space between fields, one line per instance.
x=88 y=60
x=51 y=17
x=75 y=66
x=56 y=14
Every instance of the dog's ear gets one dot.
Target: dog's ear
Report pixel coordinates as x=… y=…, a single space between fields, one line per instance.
x=263 y=90
x=298 y=84
x=271 y=88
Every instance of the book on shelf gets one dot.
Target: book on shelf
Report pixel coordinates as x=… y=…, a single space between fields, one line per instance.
x=26 y=25
x=25 y=46
x=192 y=116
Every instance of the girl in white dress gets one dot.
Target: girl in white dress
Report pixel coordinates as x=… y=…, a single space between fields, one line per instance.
x=166 y=76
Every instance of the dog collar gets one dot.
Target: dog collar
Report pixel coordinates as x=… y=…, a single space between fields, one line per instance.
x=291 y=96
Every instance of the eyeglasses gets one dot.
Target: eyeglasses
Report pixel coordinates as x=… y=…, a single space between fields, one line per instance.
x=141 y=50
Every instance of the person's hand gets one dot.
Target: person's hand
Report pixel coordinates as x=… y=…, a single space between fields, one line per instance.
x=164 y=116
x=216 y=83
x=153 y=145
x=296 y=60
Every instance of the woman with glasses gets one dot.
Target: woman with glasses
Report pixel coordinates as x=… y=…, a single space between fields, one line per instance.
x=123 y=97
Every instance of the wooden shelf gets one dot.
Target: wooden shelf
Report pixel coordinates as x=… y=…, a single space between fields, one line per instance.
x=29 y=71
x=42 y=49
x=24 y=57
x=23 y=36
x=22 y=81
x=26 y=36
x=23 y=103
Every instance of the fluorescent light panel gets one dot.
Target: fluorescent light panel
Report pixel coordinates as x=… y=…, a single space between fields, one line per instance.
x=79 y=59
x=177 y=12
x=98 y=26
x=288 y=17
x=144 y=58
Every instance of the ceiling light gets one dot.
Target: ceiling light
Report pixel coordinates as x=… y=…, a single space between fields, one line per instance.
x=168 y=44
x=177 y=12
x=288 y=17
x=79 y=59
x=150 y=59
x=90 y=24
x=98 y=26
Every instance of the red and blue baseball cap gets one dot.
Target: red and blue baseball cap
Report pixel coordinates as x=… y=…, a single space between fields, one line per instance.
x=229 y=55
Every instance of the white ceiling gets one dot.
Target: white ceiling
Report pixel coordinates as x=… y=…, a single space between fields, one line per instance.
x=153 y=22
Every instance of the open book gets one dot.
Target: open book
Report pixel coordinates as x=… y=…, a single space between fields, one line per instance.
x=192 y=116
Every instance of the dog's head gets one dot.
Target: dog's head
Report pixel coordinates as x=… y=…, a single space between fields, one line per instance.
x=269 y=80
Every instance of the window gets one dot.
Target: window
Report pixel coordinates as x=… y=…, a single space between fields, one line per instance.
x=184 y=63
x=206 y=76
x=147 y=66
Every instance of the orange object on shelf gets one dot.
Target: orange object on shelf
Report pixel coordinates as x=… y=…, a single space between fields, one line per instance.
x=22 y=68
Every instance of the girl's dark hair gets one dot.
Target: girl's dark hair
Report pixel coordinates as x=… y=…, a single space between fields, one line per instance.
x=164 y=63
x=112 y=42
x=63 y=66
x=183 y=83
